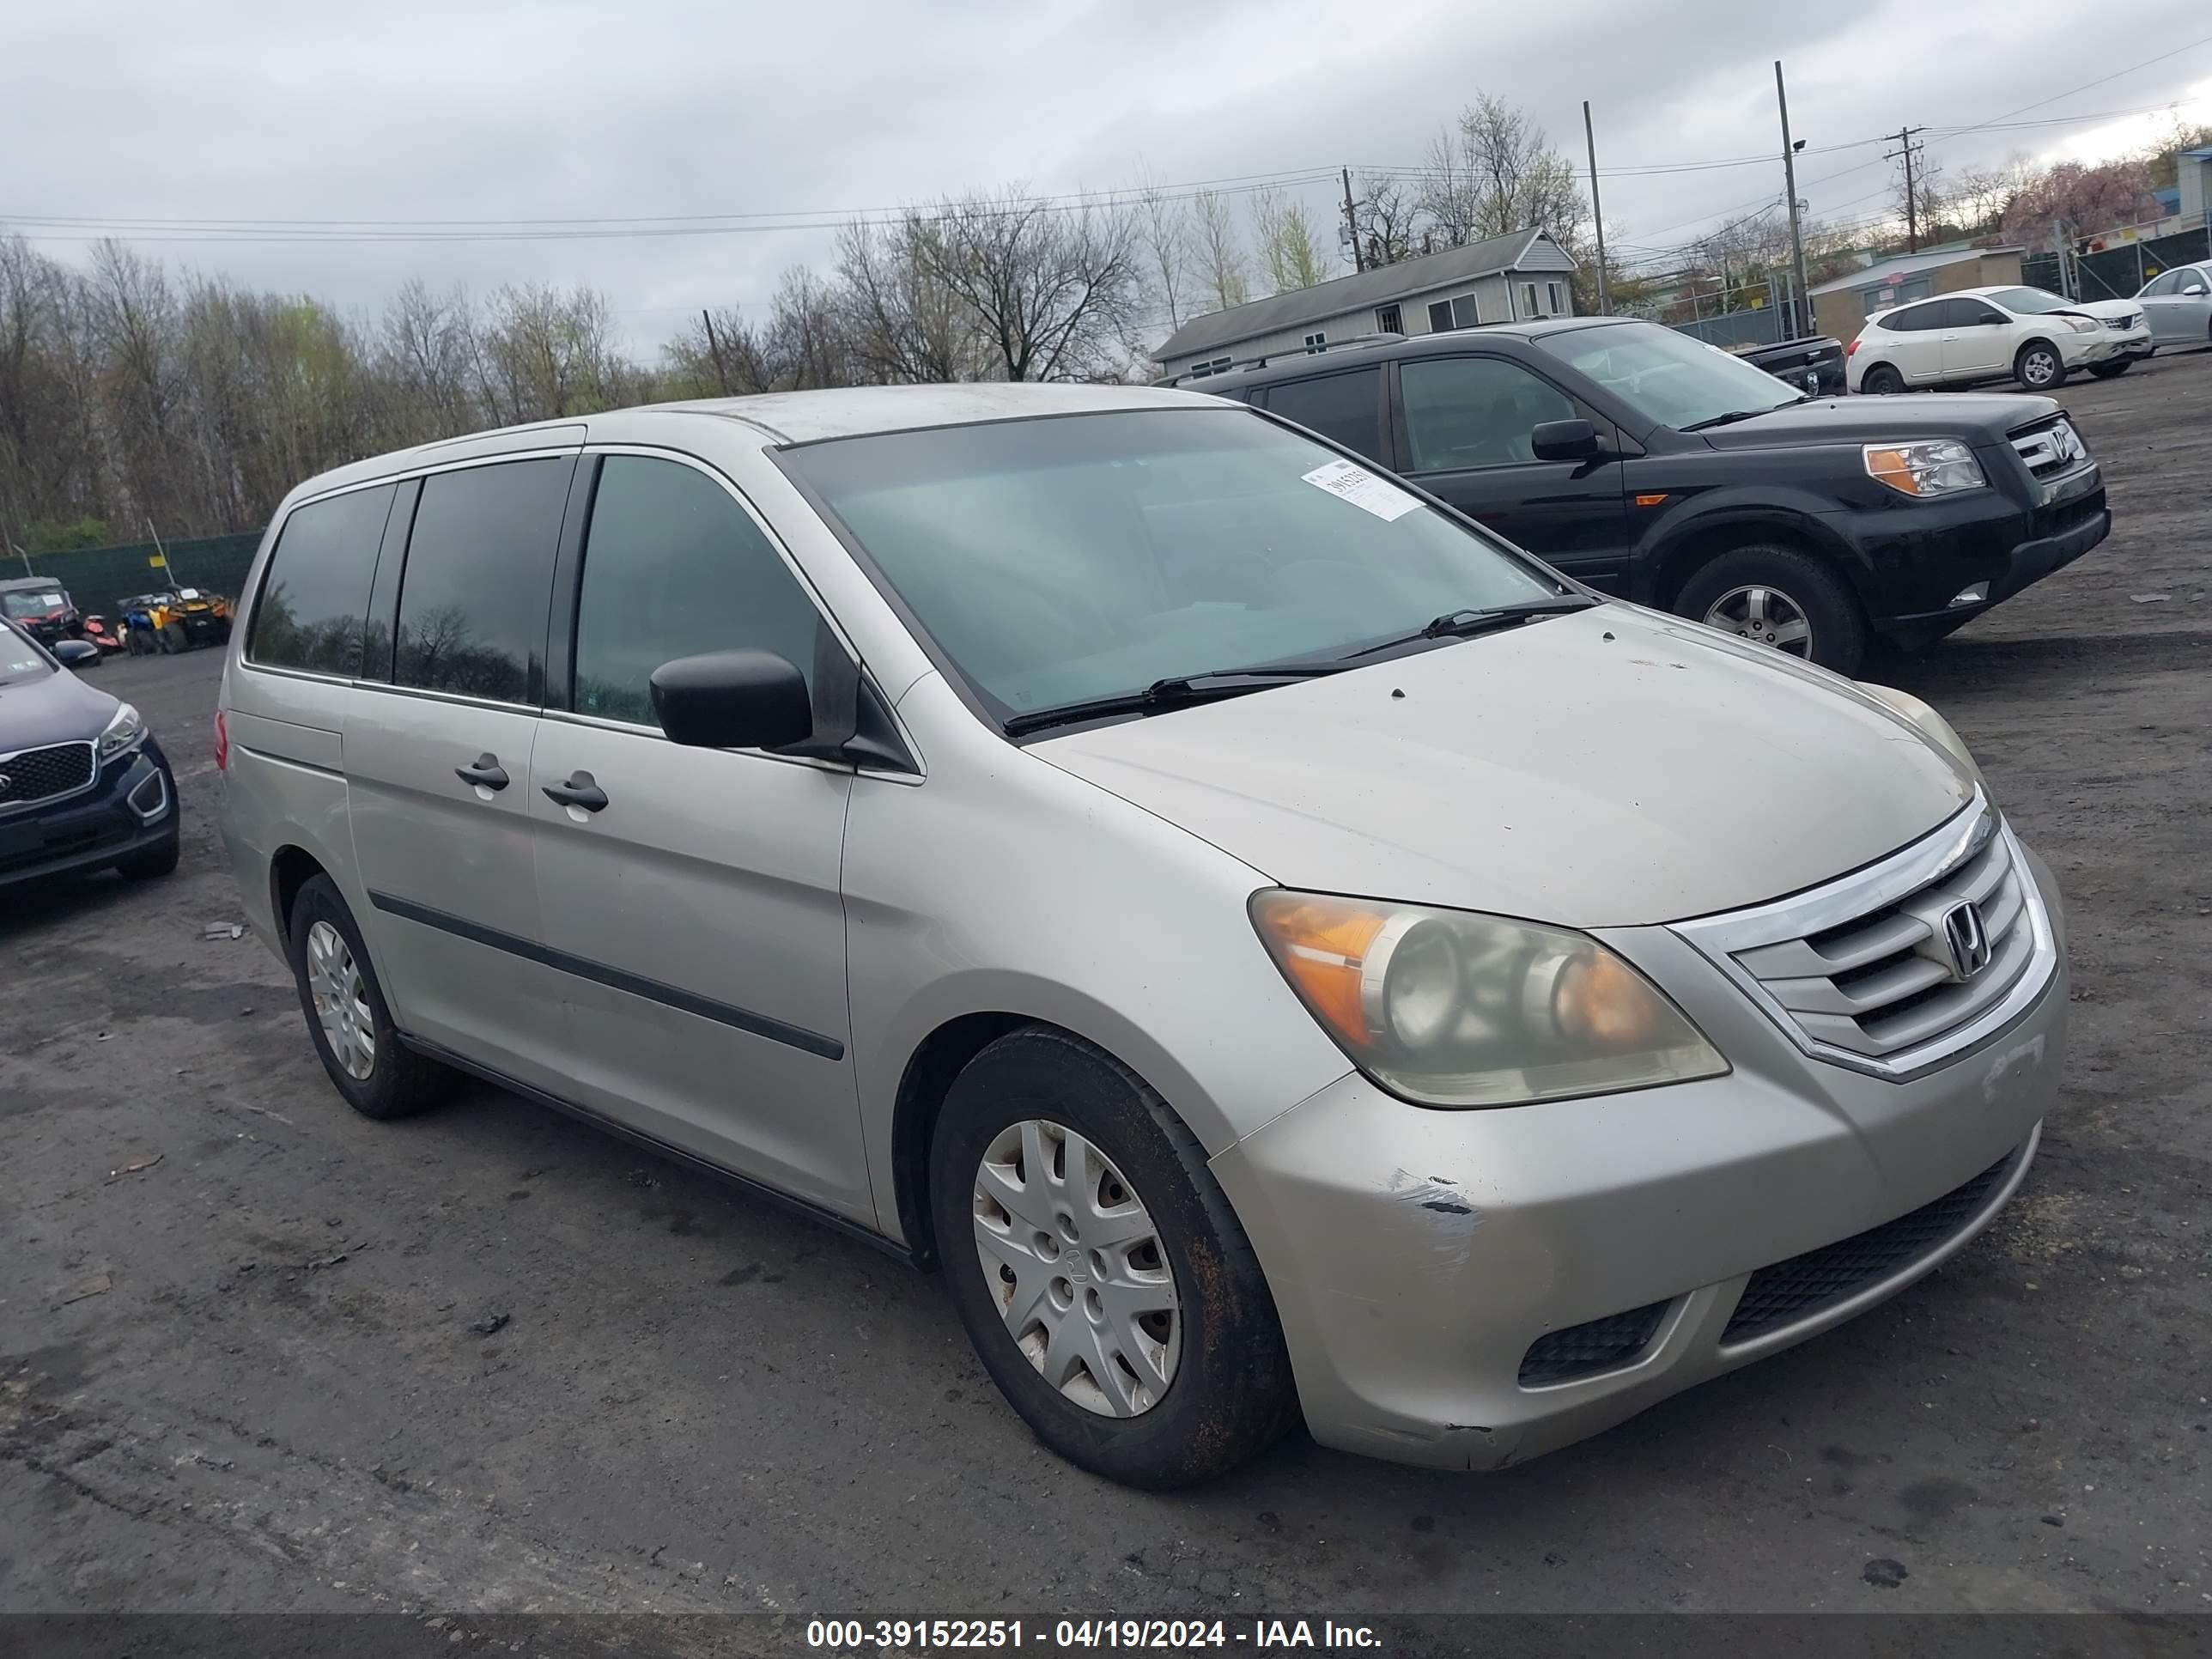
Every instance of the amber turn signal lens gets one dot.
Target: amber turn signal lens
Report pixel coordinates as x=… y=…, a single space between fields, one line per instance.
x=1322 y=944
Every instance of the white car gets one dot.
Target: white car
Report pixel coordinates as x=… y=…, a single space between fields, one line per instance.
x=2021 y=334
x=2178 y=304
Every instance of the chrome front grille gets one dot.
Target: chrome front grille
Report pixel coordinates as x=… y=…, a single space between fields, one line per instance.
x=2123 y=324
x=1893 y=968
x=2051 y=448
x=47 y=774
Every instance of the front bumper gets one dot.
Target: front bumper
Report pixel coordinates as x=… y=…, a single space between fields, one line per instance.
x=1417 y=1256
x=131 y=807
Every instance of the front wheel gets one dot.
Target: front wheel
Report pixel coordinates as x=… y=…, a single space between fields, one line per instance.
x=1104 y=1280
x=2112 y=371
x=2039 y=366
x=1781 y=599
x=1881 y=380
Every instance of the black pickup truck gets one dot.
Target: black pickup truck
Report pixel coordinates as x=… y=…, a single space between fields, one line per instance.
x=1813 y=363
x=1654 y=467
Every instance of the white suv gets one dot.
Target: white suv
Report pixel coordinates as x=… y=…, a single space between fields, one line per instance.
x=2021 y=334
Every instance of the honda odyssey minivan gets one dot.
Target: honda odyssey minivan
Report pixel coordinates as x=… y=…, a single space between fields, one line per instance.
x=1280 y=951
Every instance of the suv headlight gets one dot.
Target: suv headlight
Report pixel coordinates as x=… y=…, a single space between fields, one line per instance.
x=1940 y=466
x=124 y=732
x=1450 y=1008
x=1939 y=731
x=2084 y=325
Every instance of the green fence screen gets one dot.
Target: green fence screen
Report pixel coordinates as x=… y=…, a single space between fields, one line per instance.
x=97 y=577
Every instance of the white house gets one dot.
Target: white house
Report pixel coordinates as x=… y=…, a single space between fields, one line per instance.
x=1503 y=279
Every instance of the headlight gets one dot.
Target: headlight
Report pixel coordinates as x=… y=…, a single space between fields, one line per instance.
x=1940 y=467
x=2084 y=325
x=1938 y=729
x=125 y=731
x=1449 y=1008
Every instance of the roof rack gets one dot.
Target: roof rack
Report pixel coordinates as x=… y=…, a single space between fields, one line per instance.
x=1235 y=364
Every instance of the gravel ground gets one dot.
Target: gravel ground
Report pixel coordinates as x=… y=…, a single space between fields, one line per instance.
x=257 y=1354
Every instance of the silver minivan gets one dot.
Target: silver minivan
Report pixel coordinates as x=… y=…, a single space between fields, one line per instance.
x=1278 y=950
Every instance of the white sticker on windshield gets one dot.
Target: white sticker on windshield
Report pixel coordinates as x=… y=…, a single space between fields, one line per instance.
x=1362 y=490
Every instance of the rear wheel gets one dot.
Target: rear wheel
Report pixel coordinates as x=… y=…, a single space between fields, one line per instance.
x=2039 y=366
x=1100 y=1272
x=174 y=639
x=347 y=1016
x=1781 y=599
x=1881 y=380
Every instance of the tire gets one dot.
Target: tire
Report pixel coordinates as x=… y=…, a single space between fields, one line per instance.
x=2112 y=371
x=399 y=1082
x=1718 y=593
x=2039 y=368
x=154 y=863
x=174 y=639
x=1882 y=381
x=1228 y=1391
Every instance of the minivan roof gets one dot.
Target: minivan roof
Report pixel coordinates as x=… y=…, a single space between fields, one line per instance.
x=785 y=418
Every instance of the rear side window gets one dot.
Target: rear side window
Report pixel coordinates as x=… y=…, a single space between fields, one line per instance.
x=1911 y=321
x=673 y=566
x=1969 y=313
x=314 y=599
x=479 y=577
x=2159 y=286
x=1346 y=407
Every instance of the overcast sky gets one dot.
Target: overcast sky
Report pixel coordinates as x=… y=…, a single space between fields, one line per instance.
x=485 y=110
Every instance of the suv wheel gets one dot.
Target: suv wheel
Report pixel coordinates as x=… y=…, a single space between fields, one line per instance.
x=1779 y=597
x=1882 y=381
x=1099 y=1270
x=2113 y=370
x=347 y=1018
x=2039 y=366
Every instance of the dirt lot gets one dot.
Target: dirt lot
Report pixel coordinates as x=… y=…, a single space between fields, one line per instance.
x=491 y=1360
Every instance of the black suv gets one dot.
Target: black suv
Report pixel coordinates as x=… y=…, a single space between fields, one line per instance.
x=1654 y=467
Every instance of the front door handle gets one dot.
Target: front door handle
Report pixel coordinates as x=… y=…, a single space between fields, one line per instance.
x=579 y=790
x=486 y=774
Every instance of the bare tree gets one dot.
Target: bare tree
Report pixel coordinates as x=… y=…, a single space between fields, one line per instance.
x=1290 y=251
x=1495 y=171
x=1164 y=228
x=1388 y=221
x=1054 y=292
x=903 y=323
x=1217 y=251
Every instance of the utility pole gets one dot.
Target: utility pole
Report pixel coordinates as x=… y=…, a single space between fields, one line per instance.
x=1351 y=223
x=1905 y=147
x=1598 y=215
x=715 y=350
x=1789 y=184
x=2058 y=247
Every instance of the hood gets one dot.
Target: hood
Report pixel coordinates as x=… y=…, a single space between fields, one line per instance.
x=2101 y=309
x=56 y=708
x=1879 y=420
x=1611 y=768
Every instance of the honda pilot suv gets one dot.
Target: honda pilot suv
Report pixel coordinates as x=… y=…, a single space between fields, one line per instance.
x=1653 y=466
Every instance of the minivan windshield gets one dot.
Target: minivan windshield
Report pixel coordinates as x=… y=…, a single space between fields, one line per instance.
x=1667 y=377
x=20 y=659
x=1061 y=560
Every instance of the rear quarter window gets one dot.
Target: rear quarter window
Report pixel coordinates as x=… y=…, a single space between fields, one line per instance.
x=479 y=578
x=1346 y=407
x=313 y=610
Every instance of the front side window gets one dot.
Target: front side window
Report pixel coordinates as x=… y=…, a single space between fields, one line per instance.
x=314 y=601
x=479 y=577
x=2158 y=286
x=1346 y=408
x=1968 y=314
x=1463 y=412
x=1667 y=377
x=673 y=567
x=2029 y=301
x=1055 y=560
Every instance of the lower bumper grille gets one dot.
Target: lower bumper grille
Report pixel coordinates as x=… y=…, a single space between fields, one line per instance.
x=1596 y=1345
x=1805 y=1285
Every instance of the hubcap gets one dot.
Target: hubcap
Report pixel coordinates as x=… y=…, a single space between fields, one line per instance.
x=1766 y=615
x=1077 y=1268
x=341 y=1000
x=2038 y=367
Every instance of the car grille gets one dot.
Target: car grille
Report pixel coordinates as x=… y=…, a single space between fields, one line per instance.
x=2133 y=320
x=1892 y=968
x=2050 y=446
x=1595 y=1346
x=1807 y=1284
x=36 y=774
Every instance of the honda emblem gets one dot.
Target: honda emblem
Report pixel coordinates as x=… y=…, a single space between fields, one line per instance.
x=1966 y=939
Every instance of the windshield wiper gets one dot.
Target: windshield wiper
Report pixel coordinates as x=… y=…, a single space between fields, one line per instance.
x=1735 y=415
x=1177 y=691
x=1466 y=624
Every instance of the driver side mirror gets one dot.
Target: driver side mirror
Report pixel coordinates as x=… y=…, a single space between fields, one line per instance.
x=732 y=700
x=1563 y=441
x=75 y=653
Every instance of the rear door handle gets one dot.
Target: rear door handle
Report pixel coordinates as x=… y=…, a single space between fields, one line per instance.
x=486 y=774
x=579 y=790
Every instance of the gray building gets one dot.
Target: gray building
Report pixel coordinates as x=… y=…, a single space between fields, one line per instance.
x=1503 y=279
